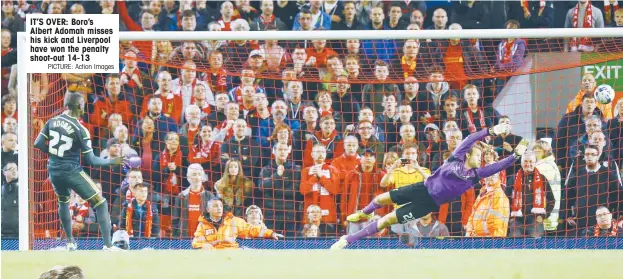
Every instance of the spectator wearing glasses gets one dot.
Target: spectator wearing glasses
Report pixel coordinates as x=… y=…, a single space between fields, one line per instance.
x=605 y=227
x=369 y=141
x=571 y=127
x=591 y=185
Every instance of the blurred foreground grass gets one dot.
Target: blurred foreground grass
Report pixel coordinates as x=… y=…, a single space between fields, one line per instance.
x=324 y=264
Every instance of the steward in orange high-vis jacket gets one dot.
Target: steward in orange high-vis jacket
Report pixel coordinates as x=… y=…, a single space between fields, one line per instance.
x=491 y=211
x=219 y=230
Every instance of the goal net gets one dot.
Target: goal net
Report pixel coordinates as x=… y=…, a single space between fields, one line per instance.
x=243 y=120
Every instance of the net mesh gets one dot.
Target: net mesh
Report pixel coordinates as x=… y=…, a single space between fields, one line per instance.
x=389 y=95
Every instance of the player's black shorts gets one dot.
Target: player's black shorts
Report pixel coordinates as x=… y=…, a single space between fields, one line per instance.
x=78 y=181
x=414 y=200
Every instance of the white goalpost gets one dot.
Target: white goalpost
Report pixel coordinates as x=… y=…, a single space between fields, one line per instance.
x=23 y=43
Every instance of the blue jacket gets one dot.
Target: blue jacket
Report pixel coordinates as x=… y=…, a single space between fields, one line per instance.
x=386 y=50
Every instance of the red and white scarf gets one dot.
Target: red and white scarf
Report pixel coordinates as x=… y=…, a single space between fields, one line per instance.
x=6 y=51
x=125 y=73
x=612 y=232
x=506 y=51
x=609 y=10
x=538 y=190
x=587 y=22
x=129 y=213
x=172 y=183
x=471 y=127
x=525 y=4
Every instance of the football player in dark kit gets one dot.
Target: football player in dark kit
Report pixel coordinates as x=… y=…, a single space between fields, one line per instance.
x=64 y=139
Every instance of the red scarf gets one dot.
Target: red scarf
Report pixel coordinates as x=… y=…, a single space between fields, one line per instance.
x=325 y=112
x=6 y=51
x=538 y=204
x=230 y=133
x=408 y=67
x=470 y=119
x=587 y=22
x=148 y=219
x=172 y=183
x=131 y=82
x=270 y=20
x=506 y=51
x=612 y=232
x=608 y=11
x=525 y=4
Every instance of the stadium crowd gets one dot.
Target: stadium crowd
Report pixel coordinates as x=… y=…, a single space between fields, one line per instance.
x=292 y=136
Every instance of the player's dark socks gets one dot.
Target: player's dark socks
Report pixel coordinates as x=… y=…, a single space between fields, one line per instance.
x=368 y=230
x=371 y=207
x=103 y=219
x=65 y=215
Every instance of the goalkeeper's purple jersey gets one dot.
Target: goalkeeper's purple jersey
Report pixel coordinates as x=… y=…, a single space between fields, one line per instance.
x=452 y=179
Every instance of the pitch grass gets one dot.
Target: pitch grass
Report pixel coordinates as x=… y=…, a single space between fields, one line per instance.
x=323 y=264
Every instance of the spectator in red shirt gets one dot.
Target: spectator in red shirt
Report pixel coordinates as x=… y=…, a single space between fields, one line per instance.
x=409 y=60
x=349 y=160
x=190 y=203
x=329 y=137
x=319 y=53
x=216 y=76
x=148 y=19
x=114 y=103
x=172 y=104
x=206 y=150
x=361 y=185
x=320 y=184
x=131 y=77
x=227 y=16
x=199 y=100
x=325 y=108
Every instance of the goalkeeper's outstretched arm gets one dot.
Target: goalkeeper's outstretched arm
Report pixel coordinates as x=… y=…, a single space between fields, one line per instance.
x=468 y=142
x=496 y=167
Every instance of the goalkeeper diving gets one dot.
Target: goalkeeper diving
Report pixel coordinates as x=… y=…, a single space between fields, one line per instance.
x=460 y=172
